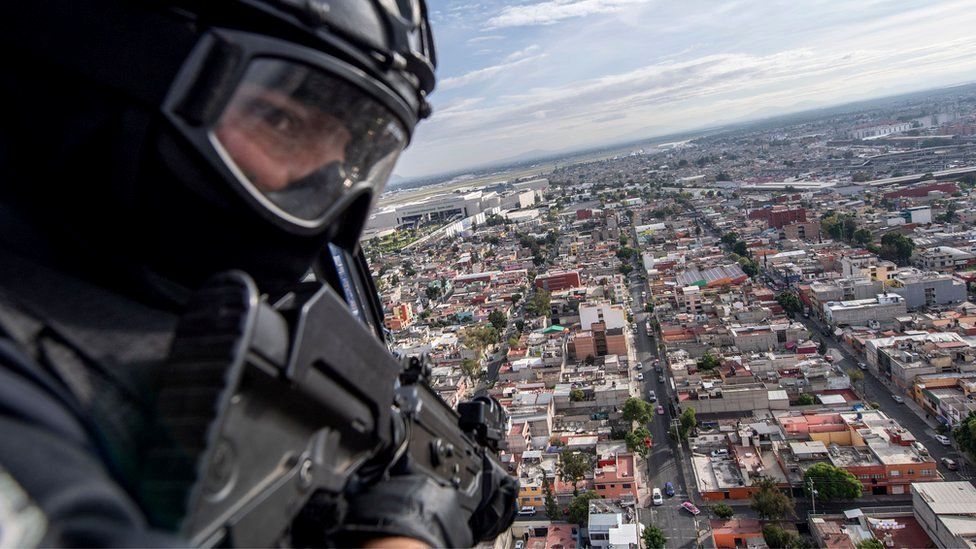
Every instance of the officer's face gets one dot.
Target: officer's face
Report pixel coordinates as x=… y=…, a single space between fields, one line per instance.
x=276 y=140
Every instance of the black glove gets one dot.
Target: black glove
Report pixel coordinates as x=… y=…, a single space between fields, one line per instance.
x=498 y=505
x=412 y=506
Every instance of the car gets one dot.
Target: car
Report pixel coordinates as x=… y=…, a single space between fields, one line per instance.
x=660 y=410
x=898 y=398
x=950 y=464
x=652 y=396
x=829 y=357
x=520 y=544
x=862 y=365
x=669 y=489
x=640 y=377
x=719 y=453
x=656 y=498
x=659 y=370
x=690 y=507
x=640 y=366
x=526 y=511
x=943 y=440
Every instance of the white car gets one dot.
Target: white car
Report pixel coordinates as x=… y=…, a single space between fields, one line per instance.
x=898 y=398
x=943 y=440
x=640 y=377
x=656 y=497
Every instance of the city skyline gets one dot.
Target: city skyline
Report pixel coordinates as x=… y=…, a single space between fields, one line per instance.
x=548 y=77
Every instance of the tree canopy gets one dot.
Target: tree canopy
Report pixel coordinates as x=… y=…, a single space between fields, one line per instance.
x=637 y=441
x=708 y=362
x=498 y=319
x=790 y=302
x=897 y=247
x=769 y=502
x=637 y=409
x=539 y=305
x=687 y=423
x=574 y=466
x=654 y=538
x=579 y=507
x=831 y=483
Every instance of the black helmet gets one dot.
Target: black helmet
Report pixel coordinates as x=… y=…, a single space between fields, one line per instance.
x=182 y=139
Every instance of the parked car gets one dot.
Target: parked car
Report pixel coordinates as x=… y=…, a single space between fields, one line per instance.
x=659 y=370
x=719 y=453
x=862 y=365
x=950 y=464
x=640 y=377
x=526 y=511
x=669 y=489
x=660 y=410
x=652 y=396
x=656 y=498
x=943 y=440
x=690 y=507
x=520 y=544
x=898 y=398
x=640 y=365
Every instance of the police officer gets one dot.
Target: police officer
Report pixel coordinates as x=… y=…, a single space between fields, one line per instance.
x=144 y=146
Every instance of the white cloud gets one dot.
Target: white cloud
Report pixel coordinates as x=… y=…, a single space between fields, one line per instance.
x=552 y=11
x=522 y=53
x=485 y=38
x=480 y=75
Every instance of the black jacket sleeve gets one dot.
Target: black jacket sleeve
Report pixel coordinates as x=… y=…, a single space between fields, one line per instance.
x=54 y=485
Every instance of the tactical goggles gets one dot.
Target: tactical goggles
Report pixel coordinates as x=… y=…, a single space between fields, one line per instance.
x=299 y=134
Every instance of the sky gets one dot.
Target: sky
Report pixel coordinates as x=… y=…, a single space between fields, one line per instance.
x=523 y=77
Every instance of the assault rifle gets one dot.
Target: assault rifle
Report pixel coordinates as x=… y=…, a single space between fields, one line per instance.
x=264 y=408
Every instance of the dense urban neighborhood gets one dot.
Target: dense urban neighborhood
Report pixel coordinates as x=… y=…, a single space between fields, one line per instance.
x=763 y=337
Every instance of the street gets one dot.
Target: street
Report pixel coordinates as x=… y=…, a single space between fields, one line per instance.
x=679 y=526
x=876 y=391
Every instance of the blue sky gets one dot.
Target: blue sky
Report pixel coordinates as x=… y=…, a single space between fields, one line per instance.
x=519 y=76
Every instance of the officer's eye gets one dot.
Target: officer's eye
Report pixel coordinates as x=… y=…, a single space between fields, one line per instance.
x=279 y=119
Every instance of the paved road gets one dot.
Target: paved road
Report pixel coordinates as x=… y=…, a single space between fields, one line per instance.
x=903 y=413
x=662 y=465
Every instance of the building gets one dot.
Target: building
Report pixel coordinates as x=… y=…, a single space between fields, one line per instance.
x=612 y=526
x=920 y=215
x=598 y=341
x=555 y=281
x=923 y=190
x=736 y=533
x=945 y=511
x=778 y=216
x=882 y=309
x=801 y=230
x=925 y=289
x=874 y=131
x=612 y=316
x=943 y=259
x=399 y=316
x=866 y=264
x=618 y=478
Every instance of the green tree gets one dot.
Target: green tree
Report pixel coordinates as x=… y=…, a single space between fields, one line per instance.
x=729 y=239
x=513 y=342
x=805 y=399
x=778 y=538
x=687 y=422
x=769 y=502
x=498 y=319
x=625 y=269
x=965 y=434
x=637 y=441
x=857 y=376
x=831 y=483
x=822 y=348
x=552 y=508
x=862 y=236
x=751 y=268
x=870 y=544
x=741 y=248
x=637 y=409
x=649 y=307
x=470 y=367
x=723 y=511
x=540 y=303
x=520 y=325
x=576 y=395
x=897 y=247
x=573 y=467
x=708 y=362
x=433 y=292
x=654 y=538
x=790 y=302
x=579 y=507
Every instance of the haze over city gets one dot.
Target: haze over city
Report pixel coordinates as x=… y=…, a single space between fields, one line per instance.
x=518 y=79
